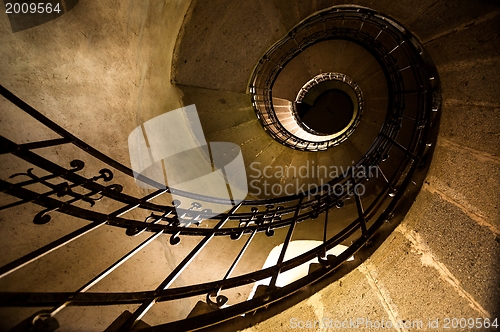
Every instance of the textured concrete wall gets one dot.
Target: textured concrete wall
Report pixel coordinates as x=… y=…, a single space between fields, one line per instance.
x=95 y=72
x=443 y=260
x=109 y=62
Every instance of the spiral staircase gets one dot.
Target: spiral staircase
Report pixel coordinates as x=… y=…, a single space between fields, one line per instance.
x=87 y=249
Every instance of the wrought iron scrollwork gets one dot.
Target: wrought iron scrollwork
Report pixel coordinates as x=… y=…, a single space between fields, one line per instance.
x=151 y=219
x=247 y=220
x=220 y=300
x=328 y=261
x=244 y=223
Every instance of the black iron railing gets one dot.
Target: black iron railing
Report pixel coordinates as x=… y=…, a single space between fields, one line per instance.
x=390 y=44
x=353 y=91
x=63 y=189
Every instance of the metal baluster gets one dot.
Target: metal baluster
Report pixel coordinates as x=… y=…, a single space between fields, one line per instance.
x=244 y=223
x=50 y=314
x=145 y=306
x=361 y=212
x=325 y=227
x=288 y=238
x=383 y=174
x=221 y=300
x=399 y=146
x=39 y=253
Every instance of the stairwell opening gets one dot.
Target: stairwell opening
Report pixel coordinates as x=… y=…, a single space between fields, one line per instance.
x=329 y=105
x=257 y=225
x=330 y=112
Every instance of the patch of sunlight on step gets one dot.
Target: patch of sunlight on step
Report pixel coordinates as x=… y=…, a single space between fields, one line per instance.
x=295 y=248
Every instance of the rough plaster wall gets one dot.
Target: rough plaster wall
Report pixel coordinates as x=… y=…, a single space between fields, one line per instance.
x=92 y=71
x=443 y=260
x=94 y=66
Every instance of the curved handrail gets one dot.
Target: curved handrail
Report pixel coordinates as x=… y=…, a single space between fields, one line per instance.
x=252 y=216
